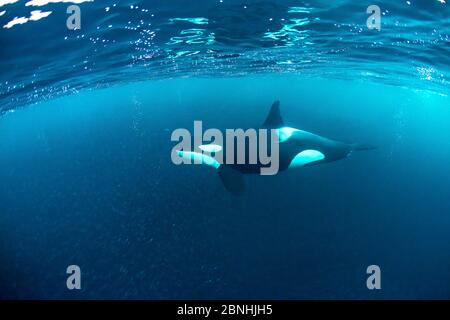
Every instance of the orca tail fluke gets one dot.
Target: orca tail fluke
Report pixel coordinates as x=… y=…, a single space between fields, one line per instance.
x=232 y=180
x=363 y=147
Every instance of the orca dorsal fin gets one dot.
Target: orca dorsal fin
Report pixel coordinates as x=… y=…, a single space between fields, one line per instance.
x=274 y=119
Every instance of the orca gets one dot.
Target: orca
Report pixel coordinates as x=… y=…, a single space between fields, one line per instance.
x=296 y=148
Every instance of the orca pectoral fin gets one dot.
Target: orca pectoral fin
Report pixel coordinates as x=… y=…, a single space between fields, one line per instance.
x=232 y=180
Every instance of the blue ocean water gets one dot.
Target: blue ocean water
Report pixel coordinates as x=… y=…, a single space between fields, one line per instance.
x=86 y=176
